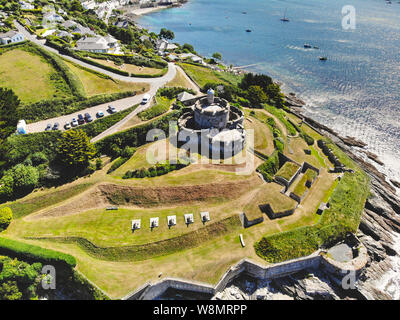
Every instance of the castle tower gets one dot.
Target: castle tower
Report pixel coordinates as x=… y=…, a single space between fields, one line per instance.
x=210 y=96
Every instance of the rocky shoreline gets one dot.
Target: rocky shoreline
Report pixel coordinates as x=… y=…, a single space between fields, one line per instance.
x=379 y=232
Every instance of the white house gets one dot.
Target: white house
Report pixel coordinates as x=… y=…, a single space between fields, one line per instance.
x=98 y=44
x=11 y=37
x=26 y=6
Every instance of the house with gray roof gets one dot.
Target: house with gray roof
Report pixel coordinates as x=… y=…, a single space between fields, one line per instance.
x=11 y=37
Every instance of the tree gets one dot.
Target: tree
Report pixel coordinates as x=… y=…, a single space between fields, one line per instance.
x=6 y=187
x=256 y=95
x=188 y=47
x=217 y=56
x=75 y=150
x=5 y=218
x=25 y=178
x=9 y=113
x=166 y=34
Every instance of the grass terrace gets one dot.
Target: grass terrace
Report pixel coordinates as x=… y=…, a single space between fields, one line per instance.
x=131 y=68
x=288 y=170
x=95 y=83
x=301 y=187
x=203 y=75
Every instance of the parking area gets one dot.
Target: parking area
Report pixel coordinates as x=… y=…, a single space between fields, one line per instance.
x=93 y=112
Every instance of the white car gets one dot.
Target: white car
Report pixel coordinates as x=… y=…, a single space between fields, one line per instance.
x=146 y=98
x=74 y=122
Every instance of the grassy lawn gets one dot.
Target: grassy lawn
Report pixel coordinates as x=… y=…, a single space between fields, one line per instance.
x=268 y=194
x=34 y=202
x=301 y=187
x=131 y=68
x=263 y=138
x=95 y=84
x=30 y=76
x=288 y=170
x=161 y=106
x=203 y=75
x=181 y=81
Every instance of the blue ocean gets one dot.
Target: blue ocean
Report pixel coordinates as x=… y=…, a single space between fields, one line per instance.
x=356 y=91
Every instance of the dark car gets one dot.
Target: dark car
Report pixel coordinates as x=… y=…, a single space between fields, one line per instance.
x=111 y=109
x=81 y=119
x=56 y=126
x=88 y=117
x=48 y=127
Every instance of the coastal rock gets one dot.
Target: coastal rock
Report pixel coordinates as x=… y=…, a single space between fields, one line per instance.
x=353 y=142
x=395 y=183
x=373 y=157
x=293 y=101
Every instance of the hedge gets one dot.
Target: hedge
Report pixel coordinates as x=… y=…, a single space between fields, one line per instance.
x=136 y=136
x=32 y=253
x=154 y=171
x=117 y=164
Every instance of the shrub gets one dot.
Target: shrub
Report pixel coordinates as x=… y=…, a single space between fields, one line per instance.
x=117 y=164
x=99 y=164
x=5 y=218
x=128 y=152
x=28 y=252
x=269 y=167
x=309 y=140
x=38 y=158
x=154 y=171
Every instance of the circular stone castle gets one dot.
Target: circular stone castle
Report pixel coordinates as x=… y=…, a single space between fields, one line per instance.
x=214 y=126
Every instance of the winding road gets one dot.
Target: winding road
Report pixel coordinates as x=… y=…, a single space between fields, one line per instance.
x=120 y=105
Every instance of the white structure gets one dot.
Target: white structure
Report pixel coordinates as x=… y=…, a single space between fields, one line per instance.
x=11 y=37
x=136 y=224
x=189 y=218
x=26 y=6
x=205 y=216
x=21 y=127
x=171 y=221
x=154 y=222
x=52 y=18
x=98 y=44
x=75 y=27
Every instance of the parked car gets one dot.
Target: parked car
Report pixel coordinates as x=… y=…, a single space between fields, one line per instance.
x=81 y=119
x=146 y=98
x=88 y=117
x=100 y=114
x=111 y=109
x=67 y=126
x=48 y=127
x=74 y=122
x=56 y=126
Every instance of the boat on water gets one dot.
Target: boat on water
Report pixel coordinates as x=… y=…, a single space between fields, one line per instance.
x=315 y=47
x=323 y=58
x=248 y=30
x=307 y=46
x=284 y=19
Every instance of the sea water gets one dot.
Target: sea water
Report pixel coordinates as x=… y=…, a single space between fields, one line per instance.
x=356 y=91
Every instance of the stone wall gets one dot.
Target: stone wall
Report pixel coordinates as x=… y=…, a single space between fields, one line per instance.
x=314 y=261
